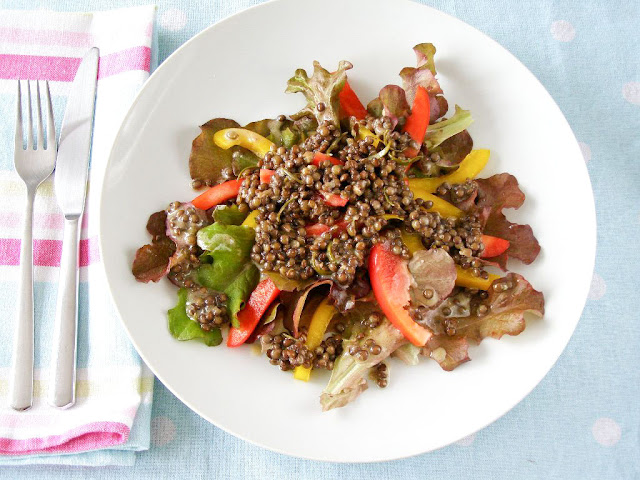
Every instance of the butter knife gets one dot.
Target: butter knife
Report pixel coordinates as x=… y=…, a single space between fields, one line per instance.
x=70 y=183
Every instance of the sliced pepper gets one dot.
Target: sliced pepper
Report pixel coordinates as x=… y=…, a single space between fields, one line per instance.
x=217 y=194
x=493 y=246
x=417 y=123
x=317 y=229
x=464 y=278
x=364 y=132
x=249 y=317
x=350 y=104
x=413 y=242
x=318 y=326
x=230 y=137
x=334 y=200
x=444 y=208
x=468 y=168
x=265 y=175
x=250 y=221
x=390 y=281
x=318 y=158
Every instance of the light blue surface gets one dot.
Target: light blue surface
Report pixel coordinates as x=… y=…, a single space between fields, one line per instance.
x=558 y=431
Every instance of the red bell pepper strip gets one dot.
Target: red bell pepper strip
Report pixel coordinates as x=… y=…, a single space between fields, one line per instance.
x=390 y=281
x=249 y=317
x=350 y=104
x=418 y=121
x=318 y=158
x=265 y=175
x=334 y=200
x=217 y=194
x=493 y=246
x=317 y=229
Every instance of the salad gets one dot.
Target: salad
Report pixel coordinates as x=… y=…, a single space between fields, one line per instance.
x=342 y=235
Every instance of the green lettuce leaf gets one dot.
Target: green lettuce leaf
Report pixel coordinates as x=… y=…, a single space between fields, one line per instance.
x=440 y=131
x=232 y=272
x=229 y=215
x=322 y=87
x=348 y=376
x=207 y=161
x=182 y=327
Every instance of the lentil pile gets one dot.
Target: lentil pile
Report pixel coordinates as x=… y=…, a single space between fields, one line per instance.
x=379 y=204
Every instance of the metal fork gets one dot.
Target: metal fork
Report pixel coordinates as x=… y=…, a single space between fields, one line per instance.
x=34 y=163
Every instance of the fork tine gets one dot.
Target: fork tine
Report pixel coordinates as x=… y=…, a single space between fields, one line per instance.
x=19 y=138
x=40 y=139
x=51 y=127
x=29 y=118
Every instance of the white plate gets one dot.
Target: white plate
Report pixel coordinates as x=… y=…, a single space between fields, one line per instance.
x=238 y=68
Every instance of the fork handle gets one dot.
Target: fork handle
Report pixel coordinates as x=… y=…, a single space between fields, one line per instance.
x=22 y=367
x=62 y=384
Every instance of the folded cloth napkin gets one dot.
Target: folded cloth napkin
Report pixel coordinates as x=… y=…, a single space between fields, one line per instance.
x=111 y=418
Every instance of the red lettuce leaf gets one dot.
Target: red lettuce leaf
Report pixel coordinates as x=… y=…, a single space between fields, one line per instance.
x=424 y=75
x=506 y=310
x=394 y=103
x=344 y=298
x=496 y=193
x=433 y=273
x=295 y=306
x=448 y=351
x=153 y=261
x=210 y=164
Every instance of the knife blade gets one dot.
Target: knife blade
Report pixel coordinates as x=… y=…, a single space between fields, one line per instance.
x=70 y=183
x=75 y=137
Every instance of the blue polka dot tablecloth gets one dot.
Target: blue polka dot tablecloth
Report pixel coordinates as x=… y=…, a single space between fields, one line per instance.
x=583 y=420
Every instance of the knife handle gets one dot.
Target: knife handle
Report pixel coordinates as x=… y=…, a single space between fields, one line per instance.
x=62 y=383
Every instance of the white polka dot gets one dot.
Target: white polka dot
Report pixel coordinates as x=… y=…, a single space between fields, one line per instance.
x=563 y=31
x=598 y=287
x=606 y=431
x=173 y=19
x=466 y=441
x=631 y=92
x=163 y=430
x=586 y=151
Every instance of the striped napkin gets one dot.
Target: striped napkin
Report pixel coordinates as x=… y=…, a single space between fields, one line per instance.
x=111 y=419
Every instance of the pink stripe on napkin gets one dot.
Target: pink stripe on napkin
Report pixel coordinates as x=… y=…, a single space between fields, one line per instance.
x=47 y=253
x=63 y=38
x=87 y=437
x=63 y=69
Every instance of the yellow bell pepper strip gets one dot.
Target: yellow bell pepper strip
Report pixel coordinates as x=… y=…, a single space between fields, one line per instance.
x=468 y=168
x=388 y=216
x=413 y=241
x=364 y=132
x=465 y=278
x=444 y=208
x=250 y=221
x=230 y=137
x=318 y=326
